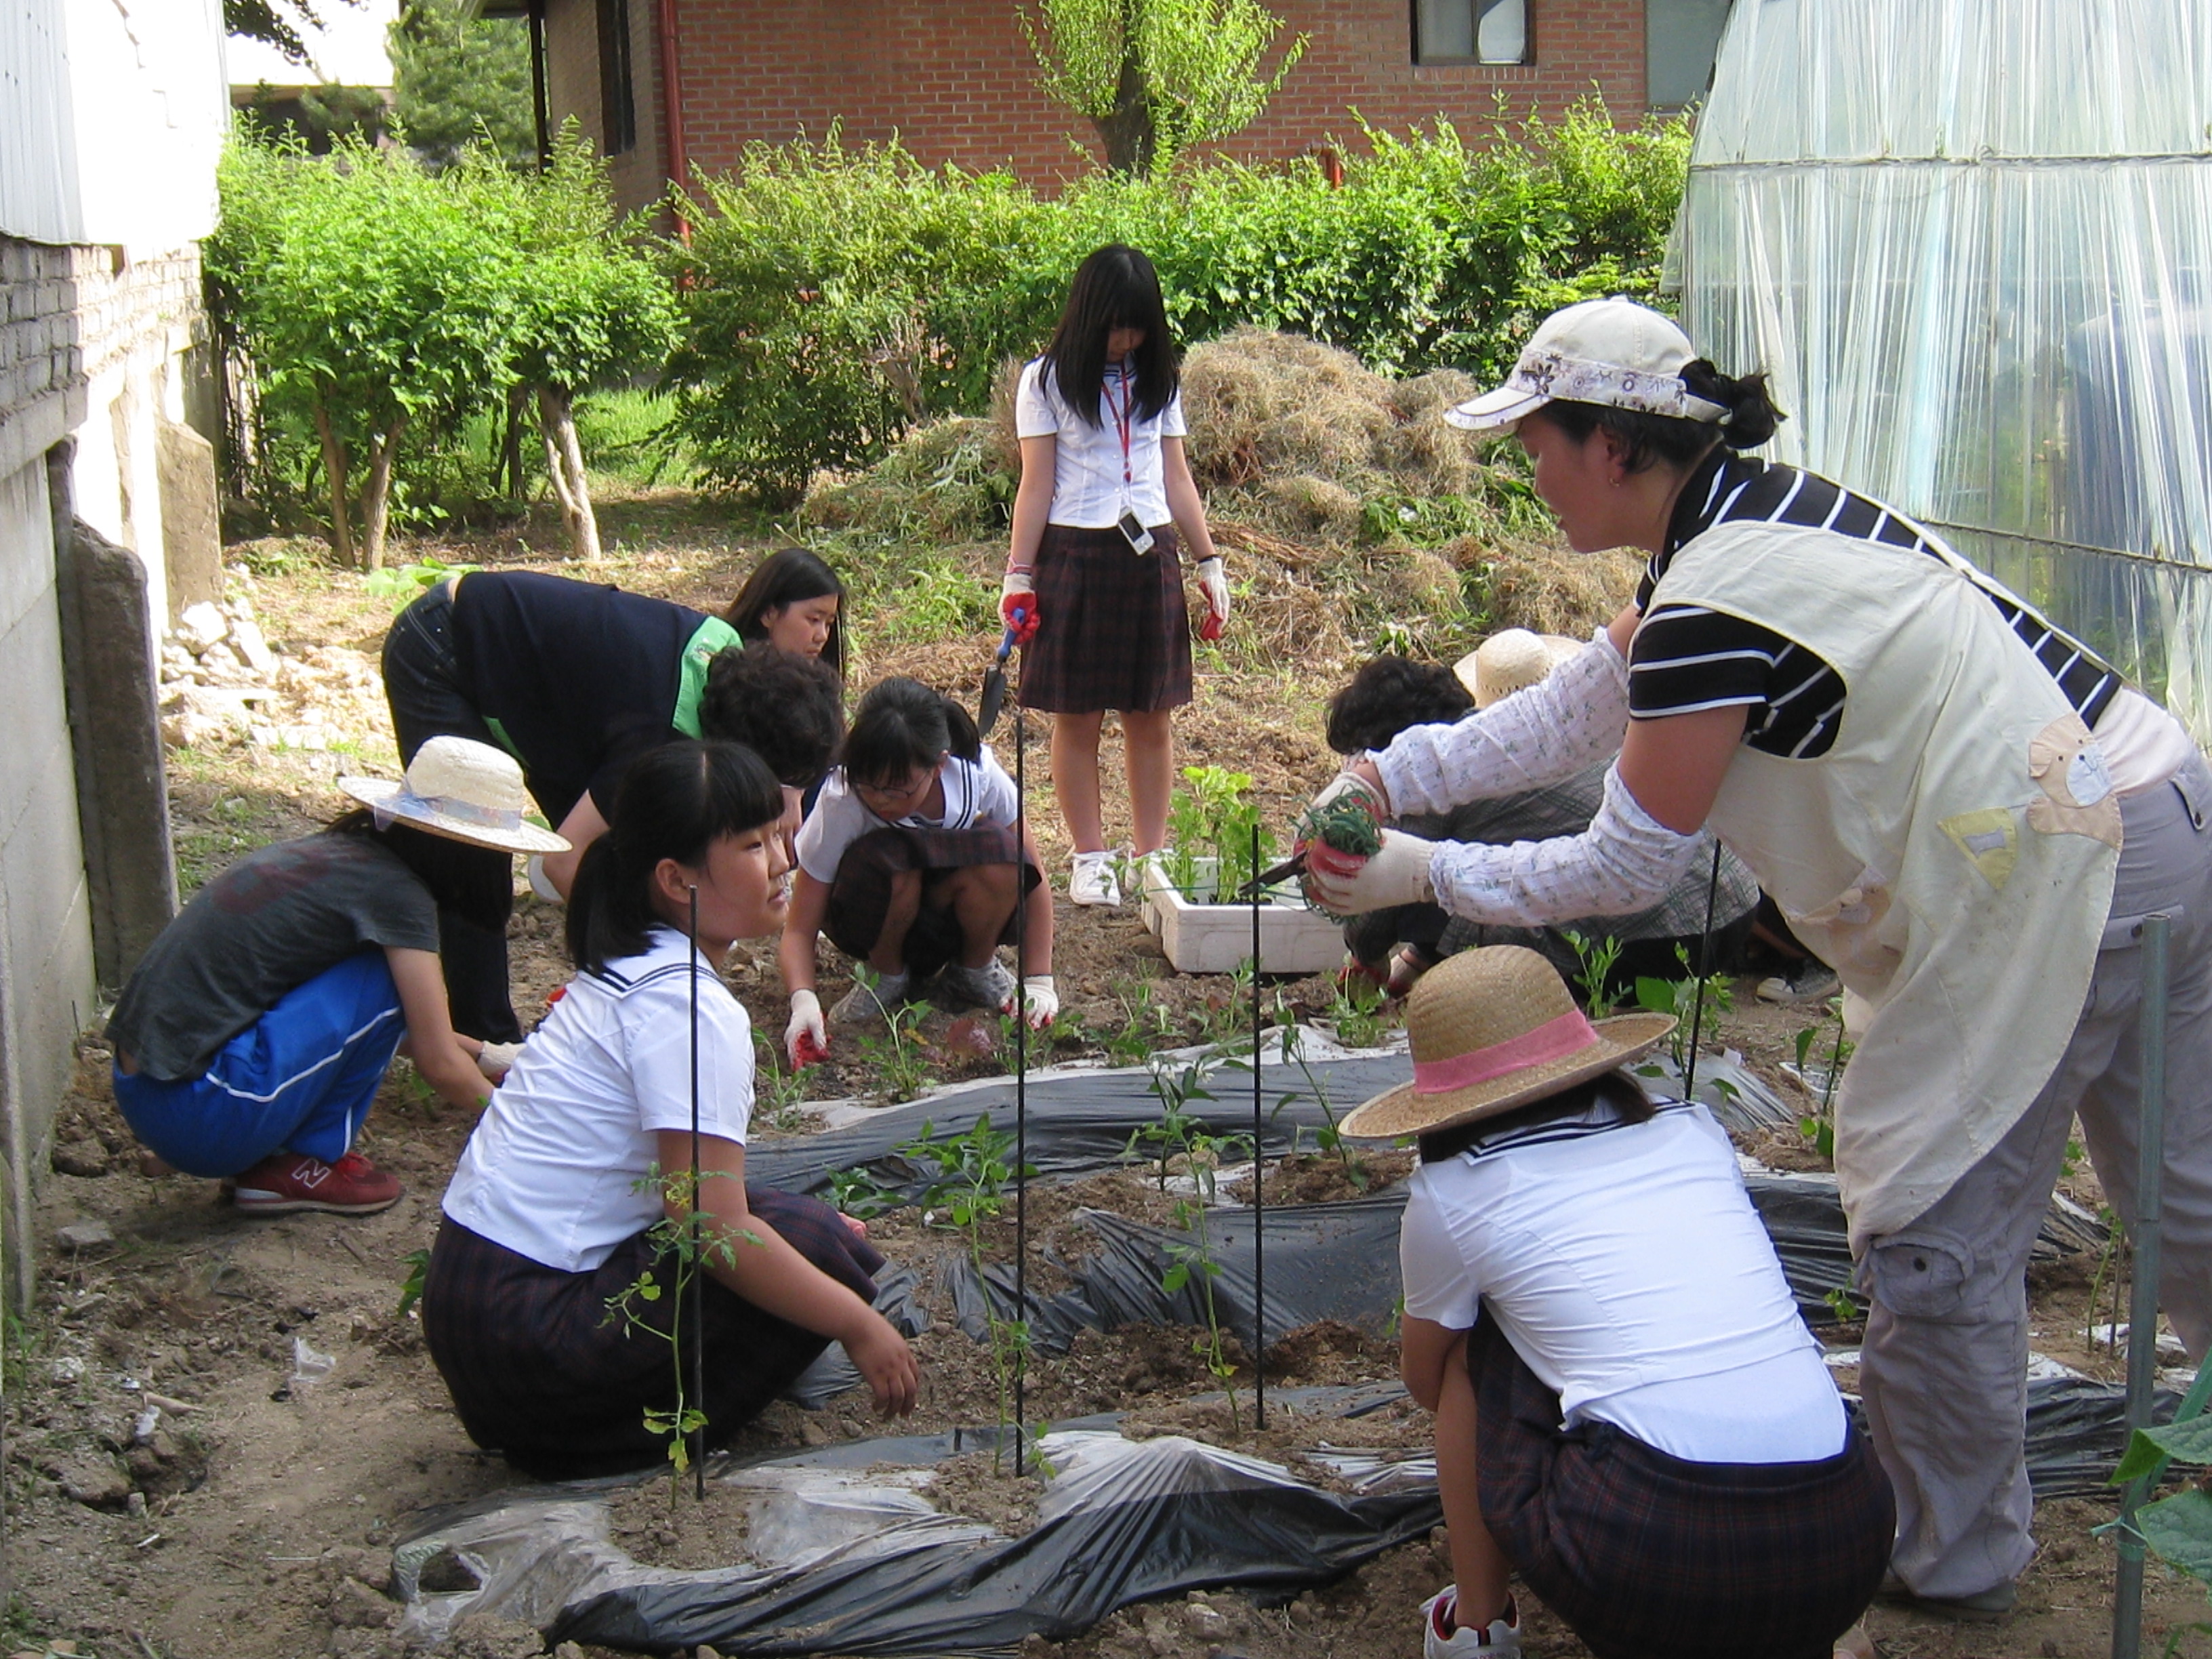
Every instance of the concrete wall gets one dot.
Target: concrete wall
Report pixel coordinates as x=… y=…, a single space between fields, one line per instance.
x=955 y=80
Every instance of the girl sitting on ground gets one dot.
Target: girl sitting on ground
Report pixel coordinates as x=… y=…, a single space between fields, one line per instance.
x=1629 y=1410
x=252 y=1034
x=910 y=862
x=550 y=1217
x=794 y=602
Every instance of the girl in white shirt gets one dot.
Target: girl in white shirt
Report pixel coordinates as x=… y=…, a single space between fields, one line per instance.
x=909 y=861
x=1093 y=588
x=551 y=1216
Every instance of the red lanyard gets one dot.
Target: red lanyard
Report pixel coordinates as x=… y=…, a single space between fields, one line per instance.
x=1122 y=415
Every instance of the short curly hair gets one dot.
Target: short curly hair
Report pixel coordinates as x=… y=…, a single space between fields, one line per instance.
x=1388 y=695
x=788 y=708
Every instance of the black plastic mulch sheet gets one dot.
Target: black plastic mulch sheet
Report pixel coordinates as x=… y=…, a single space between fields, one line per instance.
x=1079 y=1121
x=849 y=1557
x=1340 y=1261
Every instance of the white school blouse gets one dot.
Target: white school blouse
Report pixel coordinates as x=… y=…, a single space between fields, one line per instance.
x=1087 y=492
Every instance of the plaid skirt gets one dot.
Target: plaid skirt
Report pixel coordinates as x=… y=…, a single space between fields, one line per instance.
x=1648 y=1556
x=1113 y=626
x=540 y=1372
x=860 y=896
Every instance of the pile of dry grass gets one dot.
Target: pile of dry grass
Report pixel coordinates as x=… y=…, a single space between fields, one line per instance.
x=1295 y=445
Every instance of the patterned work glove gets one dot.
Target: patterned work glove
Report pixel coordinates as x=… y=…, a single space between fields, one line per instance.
x=1213 y=579
x=805 y=1040
x=1044 y=1000
x=1017 y=605
x=1350 y=884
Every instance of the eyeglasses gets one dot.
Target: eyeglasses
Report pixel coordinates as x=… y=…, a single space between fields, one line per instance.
x=895 y=791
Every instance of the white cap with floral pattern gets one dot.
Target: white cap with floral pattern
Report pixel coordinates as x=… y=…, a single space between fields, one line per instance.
x=1601 y=351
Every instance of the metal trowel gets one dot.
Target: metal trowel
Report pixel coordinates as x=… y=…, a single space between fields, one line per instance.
x=994 y=687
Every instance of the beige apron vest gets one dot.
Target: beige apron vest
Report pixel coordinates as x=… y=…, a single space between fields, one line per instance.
x=1951 y=856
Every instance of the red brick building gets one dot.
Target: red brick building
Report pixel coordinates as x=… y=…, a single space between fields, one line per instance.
x=955 y=80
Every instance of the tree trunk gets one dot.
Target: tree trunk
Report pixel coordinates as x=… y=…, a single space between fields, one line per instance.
x=335 y=473
x=1130 y=138
x=376 y=499
x=564 y=462
x=518 y=399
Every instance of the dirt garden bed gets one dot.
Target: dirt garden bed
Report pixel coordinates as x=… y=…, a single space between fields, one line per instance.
x=215 y=1428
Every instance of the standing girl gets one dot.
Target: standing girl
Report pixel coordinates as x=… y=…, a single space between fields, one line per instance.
x=1094 y=579
x=549 y=1218
x=910 y=860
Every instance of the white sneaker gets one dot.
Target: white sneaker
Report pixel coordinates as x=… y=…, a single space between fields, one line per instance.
x=1500 y=1639
x=1095 y=879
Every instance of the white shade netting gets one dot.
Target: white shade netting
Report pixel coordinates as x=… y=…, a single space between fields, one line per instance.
x=1972 y=244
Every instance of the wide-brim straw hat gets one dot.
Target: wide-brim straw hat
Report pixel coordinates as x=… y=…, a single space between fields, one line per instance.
x=463 y=789
x=1493 y=1029
x=1512 y=659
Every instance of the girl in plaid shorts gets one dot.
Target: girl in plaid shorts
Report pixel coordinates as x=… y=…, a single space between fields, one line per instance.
x=1093 y=588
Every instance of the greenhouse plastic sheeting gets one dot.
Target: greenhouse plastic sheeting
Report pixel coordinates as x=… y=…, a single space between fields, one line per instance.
x=850 y=1558
x=1340 y=1261
x=1973 y=243
x=1080 y=1120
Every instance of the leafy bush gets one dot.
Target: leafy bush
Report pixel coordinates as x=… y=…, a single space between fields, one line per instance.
x=835 y=297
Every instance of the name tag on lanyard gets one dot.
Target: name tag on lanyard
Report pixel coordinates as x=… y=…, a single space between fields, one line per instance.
x=1132 y=527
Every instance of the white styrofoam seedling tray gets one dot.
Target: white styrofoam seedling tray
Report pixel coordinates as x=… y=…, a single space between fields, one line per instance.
x=1217 y=939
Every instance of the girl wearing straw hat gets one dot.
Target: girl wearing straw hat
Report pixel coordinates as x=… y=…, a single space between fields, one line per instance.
x=252 y=1034
x=1629 y=1410
x=1962 y=811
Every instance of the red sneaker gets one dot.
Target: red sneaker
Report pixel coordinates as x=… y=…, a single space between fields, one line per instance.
x=291 y=1180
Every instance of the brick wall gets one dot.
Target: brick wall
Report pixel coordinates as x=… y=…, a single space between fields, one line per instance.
x=955 y=79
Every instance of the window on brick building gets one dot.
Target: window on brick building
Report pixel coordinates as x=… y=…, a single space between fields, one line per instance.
x=1471 y=31
x=1681 y=38
x=617 y=102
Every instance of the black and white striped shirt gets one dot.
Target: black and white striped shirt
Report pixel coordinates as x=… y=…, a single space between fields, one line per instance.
x=1687 y=658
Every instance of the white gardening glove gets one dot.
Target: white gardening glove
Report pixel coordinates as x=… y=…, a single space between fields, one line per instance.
x=1349 y=783
x=1044 y=1000
x=1348 y=885
x=1213 y=580
x=805 y=1040
x=496 y=1060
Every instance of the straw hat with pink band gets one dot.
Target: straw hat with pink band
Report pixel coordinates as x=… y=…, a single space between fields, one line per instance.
x=1493 y=1029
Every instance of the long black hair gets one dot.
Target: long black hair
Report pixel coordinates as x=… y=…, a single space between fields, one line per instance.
x=1674 y=440
x=1116 y=287
x=901 y=726
x=790 y=576
x=674 y=802
x=474 y=883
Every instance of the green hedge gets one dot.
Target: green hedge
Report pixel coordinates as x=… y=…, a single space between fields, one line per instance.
x=835 y=297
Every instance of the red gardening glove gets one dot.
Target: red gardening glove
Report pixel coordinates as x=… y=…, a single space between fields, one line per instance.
x=1017 y=605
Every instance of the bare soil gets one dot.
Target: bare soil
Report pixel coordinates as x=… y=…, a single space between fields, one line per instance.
x=250 y=1515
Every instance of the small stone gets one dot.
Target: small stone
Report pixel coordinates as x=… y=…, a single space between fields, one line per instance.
x=1301 y=1612
x=200 y=627
x=371 y=1567
x=252 y=646
x=354 y=1605
x=815 y=1433
x=568 y=1651
x=134 y=1504
x=84 y=1235
x=82 y=1158
x=92 y=1478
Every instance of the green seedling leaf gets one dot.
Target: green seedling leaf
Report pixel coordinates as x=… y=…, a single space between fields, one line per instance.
x=2179 y=1529
x=1176 y=1278
x=2149 y=1448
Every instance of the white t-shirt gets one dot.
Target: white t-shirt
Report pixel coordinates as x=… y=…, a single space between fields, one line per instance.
x=557 y=1169
x=1627 y=1267
x=1087 y=488
x=976 y=791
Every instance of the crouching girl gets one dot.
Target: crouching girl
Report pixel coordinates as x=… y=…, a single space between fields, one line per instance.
x=1629 y=1410
x=909 y=861
x=251 y=1037
x=549 y=1219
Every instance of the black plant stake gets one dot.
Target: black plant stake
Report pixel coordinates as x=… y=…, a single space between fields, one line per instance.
x=698 y=1279
x=1259 y=1173
x=1704 y=967
x=1021 y=1076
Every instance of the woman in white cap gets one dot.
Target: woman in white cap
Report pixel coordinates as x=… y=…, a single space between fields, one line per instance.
x=1957 y=806
x=252 y=1034
x=1629 y=1410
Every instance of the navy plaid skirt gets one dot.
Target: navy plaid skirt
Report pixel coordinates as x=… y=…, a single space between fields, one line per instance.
x=1112 y=626
x=860 y=896
x=539 y=1372
x=1650 y=1556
